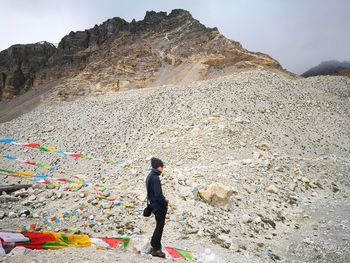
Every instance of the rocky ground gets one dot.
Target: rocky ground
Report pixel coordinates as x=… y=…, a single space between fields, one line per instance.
x=280 y=145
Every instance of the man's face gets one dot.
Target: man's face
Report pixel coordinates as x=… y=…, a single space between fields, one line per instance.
x=160 y=169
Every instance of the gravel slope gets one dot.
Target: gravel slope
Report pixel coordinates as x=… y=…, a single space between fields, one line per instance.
x=247 y=131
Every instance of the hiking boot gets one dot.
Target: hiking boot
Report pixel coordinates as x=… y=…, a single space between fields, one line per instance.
x=158 y=253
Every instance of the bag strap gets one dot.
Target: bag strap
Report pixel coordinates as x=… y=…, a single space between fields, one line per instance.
x=149 y=189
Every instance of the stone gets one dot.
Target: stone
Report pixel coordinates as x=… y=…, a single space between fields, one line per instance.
x=20 y=193
x=2 y=214
x=217 y=194
x=257 y=155
x=41 y=199
x=234 y=247
x=305 y=180
x=257 y=220
x=279 y=169
x=82 y=195
x=12 y=214
x=263 y=146
x=8 y=198
x=25 y=212
x=200 y=233
x=246 y=218
x=292 y=186
x=272 y=189
x=307 y=241
x=106 y=194
x=32 y=198
x=35 y=215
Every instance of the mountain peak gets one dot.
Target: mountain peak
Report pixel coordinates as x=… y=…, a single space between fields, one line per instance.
x=160 y=49
x=154 y=17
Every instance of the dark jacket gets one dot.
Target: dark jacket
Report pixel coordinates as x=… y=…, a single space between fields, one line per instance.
x=154 y=190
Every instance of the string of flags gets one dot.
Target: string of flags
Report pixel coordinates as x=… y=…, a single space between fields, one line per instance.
x=65 y=153
x=59 y=218
x=31 y=176
x=44 y=166
x=176 y=215
x=37 y=179
x=51 y=240
x=101 y=243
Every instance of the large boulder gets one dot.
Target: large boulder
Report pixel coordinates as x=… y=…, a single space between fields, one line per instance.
x=217 y=194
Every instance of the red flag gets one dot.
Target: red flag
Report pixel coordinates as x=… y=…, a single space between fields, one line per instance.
x=173 y=252
x=76 y=155
x=31 y=144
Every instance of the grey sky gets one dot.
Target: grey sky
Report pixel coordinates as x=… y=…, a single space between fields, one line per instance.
x=298 y=33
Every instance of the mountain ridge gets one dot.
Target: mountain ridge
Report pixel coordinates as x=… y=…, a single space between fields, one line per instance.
x=160 y=49
x=330 y=67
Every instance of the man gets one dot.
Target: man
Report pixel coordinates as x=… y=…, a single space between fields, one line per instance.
x=158 y=203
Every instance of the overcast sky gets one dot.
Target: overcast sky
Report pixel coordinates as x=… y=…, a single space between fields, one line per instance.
x=298 y=33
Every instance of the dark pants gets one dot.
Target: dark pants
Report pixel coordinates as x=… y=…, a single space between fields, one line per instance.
x=158 y=231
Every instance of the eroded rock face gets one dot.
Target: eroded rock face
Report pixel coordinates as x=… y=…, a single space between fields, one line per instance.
x=217 y=194
x=161 y=49
x=19 y=66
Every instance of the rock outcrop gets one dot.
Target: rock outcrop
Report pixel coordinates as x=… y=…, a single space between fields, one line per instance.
x=217 y=194
x=161 y=49
x=20 y=65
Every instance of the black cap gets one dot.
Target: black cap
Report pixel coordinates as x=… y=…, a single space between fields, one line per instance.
x=155 y=163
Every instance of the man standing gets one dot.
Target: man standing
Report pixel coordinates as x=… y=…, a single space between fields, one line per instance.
x=158 y=203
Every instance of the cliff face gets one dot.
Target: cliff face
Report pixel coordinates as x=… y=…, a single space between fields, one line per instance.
x=19 y=66
x=161 y=49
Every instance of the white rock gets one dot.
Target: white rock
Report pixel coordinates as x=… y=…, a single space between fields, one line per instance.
x=272 y=189
x=307 y=241
x=305 y=180
x=12 y=214
x=246 y=218
x=257 y=220
x=32 y=198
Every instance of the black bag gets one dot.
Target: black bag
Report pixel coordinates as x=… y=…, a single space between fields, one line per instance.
x=147 y=212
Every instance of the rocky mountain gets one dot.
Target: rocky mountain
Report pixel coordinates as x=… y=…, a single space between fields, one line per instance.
x=332 y=67
x=160 y=49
